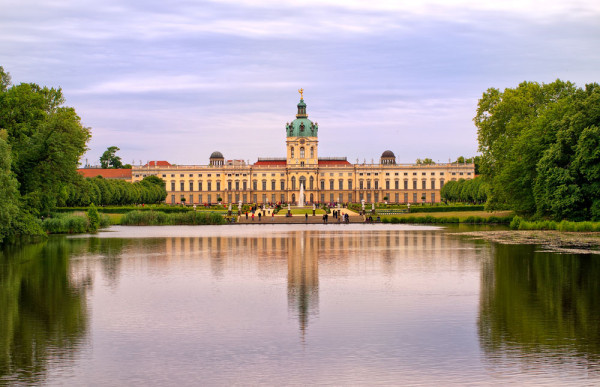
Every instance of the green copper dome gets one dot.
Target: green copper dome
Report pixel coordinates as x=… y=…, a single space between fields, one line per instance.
x=302 y=126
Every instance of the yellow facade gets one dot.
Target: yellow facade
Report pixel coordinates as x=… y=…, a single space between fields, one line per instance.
x=325 y=180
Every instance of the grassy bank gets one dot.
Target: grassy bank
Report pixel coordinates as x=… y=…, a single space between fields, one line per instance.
x=159 y=218
x=430 y=219
x=71 y=223
x=520 y=224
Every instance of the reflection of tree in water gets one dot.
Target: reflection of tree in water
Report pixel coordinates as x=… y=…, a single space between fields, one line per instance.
x=534 y=302
x=303 y=278
x=110 y=250
x=43 y=309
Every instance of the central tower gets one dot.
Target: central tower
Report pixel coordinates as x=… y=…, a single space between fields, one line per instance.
x=302 y=143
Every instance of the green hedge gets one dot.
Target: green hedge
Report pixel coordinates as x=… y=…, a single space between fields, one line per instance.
x=450 y=219
x=160 y=218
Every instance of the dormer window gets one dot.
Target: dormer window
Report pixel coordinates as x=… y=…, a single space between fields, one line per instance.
x=302 y=127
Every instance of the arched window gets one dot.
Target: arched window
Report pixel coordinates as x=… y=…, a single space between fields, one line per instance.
x=312 y=183
x=292 y=152
x=301 y=152
x=293 y=183
x=302 y=181
x=312 y=152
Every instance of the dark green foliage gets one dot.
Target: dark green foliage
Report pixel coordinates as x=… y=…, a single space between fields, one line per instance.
x=115 y=192
x=40 y=146
x=125 y=209
x=540 y=149
x=93 y=218
x=109 y=159
x=520 y=224
x=159 y=218
x=465 y=191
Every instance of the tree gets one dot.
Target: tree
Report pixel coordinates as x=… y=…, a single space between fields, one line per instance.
x=93 y=218
x=5 y=80
x=426 y=161
x=46 y=141
x=539 y=145
x=109 y=159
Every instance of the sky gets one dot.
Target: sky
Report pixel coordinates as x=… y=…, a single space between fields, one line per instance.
x=177 y=80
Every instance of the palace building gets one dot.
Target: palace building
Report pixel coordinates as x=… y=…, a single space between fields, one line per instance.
x=324 y=179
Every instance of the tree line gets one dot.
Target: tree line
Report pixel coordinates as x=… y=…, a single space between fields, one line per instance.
x=97 y=190
x=469 y=191
x=540 y=146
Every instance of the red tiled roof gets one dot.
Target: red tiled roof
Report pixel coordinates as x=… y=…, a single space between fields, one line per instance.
x=105 y=173
x=270 y=162
x=158 y=163
x=334 y=162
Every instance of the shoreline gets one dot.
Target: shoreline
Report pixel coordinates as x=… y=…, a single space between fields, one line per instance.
x=548 y=240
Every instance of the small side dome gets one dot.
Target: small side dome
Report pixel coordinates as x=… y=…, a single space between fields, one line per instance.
x=388 y=158
x=216 y=158
x=216 y=155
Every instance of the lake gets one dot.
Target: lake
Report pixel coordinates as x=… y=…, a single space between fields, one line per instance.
x=296 y=305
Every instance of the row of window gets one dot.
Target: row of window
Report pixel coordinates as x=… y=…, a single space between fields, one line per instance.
x=322 y=174
x=361 y=185
x=333 y=198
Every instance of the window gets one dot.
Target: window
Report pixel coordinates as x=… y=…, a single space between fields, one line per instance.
x=199 y=186
x=341 y=184
x=218 y=185
x=302 y=163
x=405 y=198
x=312 y=182
x=414 y=184
x=181 y=187
x=330 y=184
x=361 y=184
x=209 y=186
x=405 y=173
x=441 y=184
x=244 y=186
x=162 y=175
x=331 y=198
x=423 y=173
x=322 y=198
x=172 y=186
x=424 y=184
x=368 y=184
x=350 y=197
x=405 y=184
x=397 y=198
x=432 y=184
x=433 y=197
x=415 y=197
x=387 y=184
x=273 y=186
x=376 y=184
x=312 y=152
x=191 y=185
x=254 y=185
x=229 y=185
x=264 y=185
x=397 y=185
x=282 y=185
x=302 y=152
x=322 y=184
x=292 y=152
x=181 y=175
x=350 y=185
x=293 y=183
x=237 y=185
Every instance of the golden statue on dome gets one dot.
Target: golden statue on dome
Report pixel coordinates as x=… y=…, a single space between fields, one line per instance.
x=301 y=91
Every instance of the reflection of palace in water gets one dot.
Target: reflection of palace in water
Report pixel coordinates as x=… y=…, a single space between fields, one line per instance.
x=304 y=253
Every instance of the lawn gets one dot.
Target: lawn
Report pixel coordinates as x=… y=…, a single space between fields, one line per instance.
x=302 y=211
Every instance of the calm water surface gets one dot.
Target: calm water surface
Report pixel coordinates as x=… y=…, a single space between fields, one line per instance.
x=337 y=304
